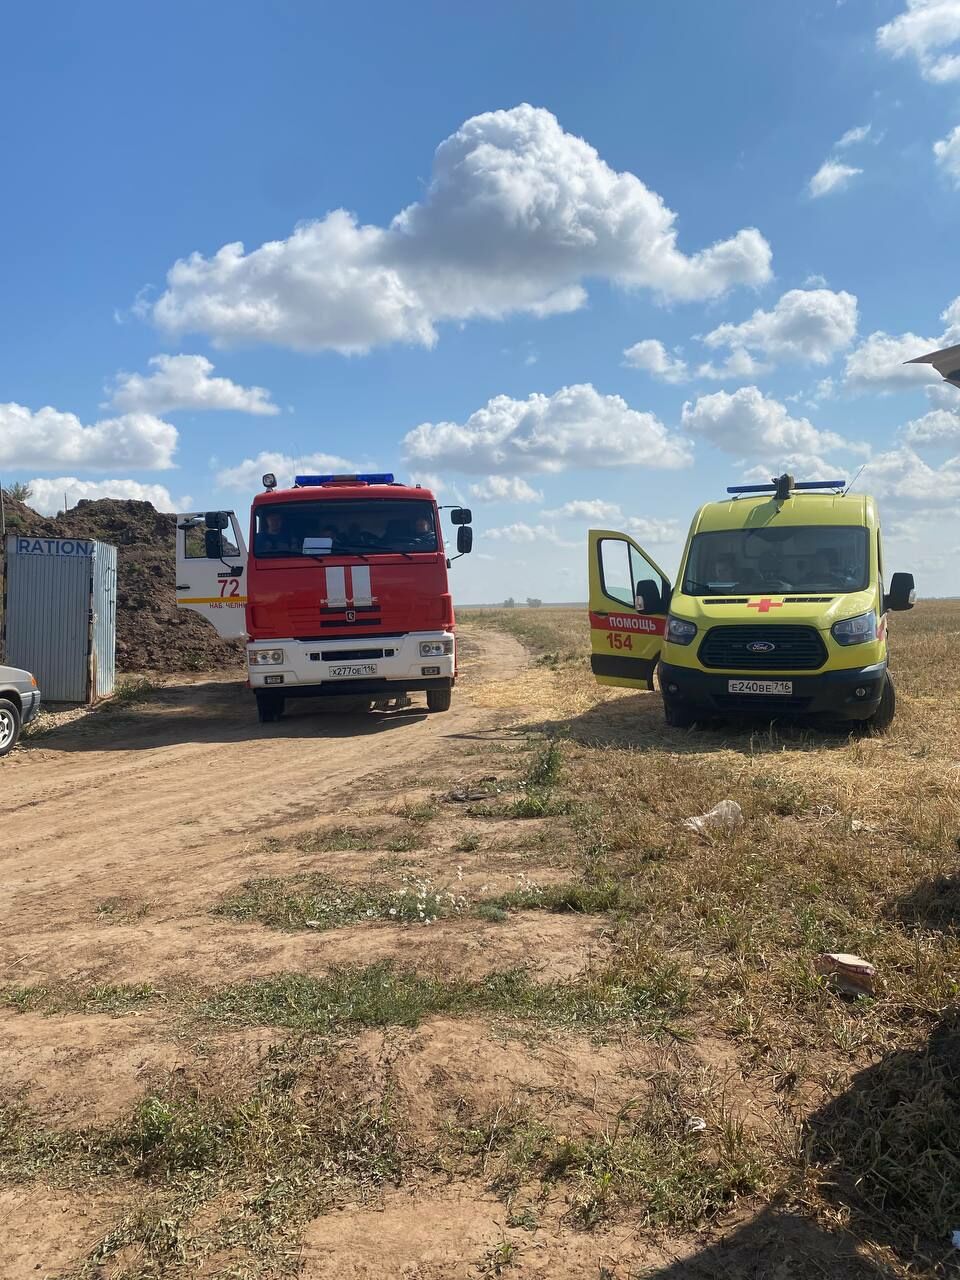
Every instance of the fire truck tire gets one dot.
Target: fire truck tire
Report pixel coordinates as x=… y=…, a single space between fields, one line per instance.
x=439 y=699
x=269 y=707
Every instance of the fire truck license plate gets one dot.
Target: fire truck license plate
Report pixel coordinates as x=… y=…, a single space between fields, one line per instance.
x=353 y=670
x=777 y=687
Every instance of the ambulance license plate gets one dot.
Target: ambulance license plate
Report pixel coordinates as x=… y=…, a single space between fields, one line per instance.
x=353 y=670
x=778 y=688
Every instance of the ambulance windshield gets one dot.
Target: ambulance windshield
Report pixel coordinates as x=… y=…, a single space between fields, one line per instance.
x=799 y=559
x=373 y=527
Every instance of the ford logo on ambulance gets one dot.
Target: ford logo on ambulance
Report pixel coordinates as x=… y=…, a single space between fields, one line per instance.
x=761 y=646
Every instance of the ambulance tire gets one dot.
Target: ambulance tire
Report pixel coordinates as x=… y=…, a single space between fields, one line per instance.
x=882 y=718
x=439 y=699
x=269 y=707
x=678 y=717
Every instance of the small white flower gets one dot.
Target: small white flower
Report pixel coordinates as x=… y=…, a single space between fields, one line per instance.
x=370 y=912
x=393 y=911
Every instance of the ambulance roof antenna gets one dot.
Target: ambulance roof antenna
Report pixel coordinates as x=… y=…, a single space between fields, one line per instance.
x=854 y=480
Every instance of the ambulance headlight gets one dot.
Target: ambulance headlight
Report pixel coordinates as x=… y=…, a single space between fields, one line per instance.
x=266 y=657
x=435 y=648
x=856 y=630
x=679 y=631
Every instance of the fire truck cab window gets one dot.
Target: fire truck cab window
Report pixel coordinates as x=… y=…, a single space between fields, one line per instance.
x=353 y=527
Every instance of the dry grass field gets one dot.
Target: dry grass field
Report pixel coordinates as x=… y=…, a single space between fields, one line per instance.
x=481 y=1005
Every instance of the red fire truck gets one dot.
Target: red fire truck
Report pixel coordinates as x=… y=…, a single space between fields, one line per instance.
x=343 y=591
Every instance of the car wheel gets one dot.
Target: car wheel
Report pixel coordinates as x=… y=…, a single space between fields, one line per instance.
x=9 y=726
x=439 y=699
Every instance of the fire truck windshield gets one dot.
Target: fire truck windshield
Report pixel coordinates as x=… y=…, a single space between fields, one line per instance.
x=360 y=527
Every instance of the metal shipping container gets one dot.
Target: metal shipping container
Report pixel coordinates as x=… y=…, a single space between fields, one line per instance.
x=60 y=615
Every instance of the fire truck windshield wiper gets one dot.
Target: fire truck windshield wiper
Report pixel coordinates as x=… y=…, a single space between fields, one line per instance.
x=346 y=550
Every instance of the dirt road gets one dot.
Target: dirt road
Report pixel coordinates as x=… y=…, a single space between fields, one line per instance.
x=168 y=803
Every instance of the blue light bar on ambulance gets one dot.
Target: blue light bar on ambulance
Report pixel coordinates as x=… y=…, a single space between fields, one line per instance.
x=370 y=477
x=800 y=484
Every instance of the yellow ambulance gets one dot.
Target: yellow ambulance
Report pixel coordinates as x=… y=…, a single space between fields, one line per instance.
x=780 y=608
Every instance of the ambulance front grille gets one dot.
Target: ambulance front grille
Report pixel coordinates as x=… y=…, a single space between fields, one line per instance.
x=746 y=648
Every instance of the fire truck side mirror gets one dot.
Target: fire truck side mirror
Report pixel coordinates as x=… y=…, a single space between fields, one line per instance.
x=464 y=539
x=213 y=544
x=216 y=520
x=461 y=515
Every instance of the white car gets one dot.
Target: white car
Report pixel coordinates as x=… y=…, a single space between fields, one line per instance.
x=19 y=704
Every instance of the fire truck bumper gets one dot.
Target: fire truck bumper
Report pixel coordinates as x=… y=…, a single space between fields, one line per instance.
x=344 y=667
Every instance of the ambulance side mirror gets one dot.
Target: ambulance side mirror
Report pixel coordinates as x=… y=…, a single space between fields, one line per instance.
x=902 y=593
x=650 y=597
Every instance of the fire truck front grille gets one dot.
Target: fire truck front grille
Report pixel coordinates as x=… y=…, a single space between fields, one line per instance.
x=351 y=655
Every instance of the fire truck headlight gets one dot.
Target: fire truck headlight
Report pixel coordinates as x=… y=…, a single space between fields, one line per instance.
x=435 y=648
x=266 y=657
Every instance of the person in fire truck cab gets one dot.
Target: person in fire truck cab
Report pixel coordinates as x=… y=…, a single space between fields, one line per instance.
x=273 y=538
x=424 y=534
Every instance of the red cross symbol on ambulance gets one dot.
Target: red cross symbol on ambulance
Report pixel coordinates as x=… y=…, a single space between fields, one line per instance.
x=764 y=605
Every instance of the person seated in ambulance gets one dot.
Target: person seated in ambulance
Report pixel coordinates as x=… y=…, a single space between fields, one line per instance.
x=273 y=538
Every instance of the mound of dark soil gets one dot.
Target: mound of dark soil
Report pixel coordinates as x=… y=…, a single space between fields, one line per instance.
x=152 y=633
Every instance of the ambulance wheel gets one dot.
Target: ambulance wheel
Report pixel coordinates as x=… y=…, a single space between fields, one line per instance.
x=269 y=707
x=439 y=699
x=882 y=718
x=9 y=726
x=677 y=717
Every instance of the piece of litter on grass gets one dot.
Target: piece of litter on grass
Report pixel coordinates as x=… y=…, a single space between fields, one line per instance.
x=956 y=1239
x=849 y=974
x=696 y=1124
x=313 y=924
x=725 y=816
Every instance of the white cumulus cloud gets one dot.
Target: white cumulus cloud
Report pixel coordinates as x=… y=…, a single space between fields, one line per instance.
x=653 y=357
x=517 y=215
x=185 y=382
x=878 y=364
x=47 y=495
x=947 y=153
x=527 y=533
x=576 y=427
x=249 y=473
x=929 y=31
x=586 y=509
x=809 y=325
x=938 y=427
x=754 y=426
x=47 y=439
x=832 y=175
x=902 y=475
x=505 y=489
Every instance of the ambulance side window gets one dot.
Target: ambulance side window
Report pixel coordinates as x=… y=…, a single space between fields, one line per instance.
x=628 y=578
x=615 y=572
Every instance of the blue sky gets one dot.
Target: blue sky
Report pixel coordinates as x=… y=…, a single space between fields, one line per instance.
x=668 y=272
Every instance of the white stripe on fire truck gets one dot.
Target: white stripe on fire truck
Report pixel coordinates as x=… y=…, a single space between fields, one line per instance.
x=360 y=574
x=336 y=587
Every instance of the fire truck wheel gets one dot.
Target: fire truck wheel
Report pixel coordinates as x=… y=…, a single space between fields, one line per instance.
x=269 y=707
x=438 y=699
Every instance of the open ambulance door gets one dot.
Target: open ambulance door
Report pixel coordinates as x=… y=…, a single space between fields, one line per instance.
x=212 y=570
x=629 y=599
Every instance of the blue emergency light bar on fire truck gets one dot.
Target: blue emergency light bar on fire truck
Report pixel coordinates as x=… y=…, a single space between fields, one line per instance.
x=371 y=477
